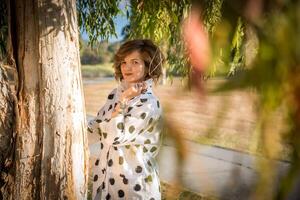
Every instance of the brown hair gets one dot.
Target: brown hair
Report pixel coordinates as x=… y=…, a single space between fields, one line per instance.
x=150 y=53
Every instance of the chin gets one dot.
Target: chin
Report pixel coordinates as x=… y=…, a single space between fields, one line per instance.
x=132 y=80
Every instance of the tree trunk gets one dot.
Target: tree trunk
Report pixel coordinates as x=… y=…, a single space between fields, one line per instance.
x=6 y=135
x=51 y=155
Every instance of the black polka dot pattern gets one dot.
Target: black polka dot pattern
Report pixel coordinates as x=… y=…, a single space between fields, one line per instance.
x=150 y=120
x=90 y=130
x=131 y=129
x=120 y=125
x=98 y=190
x=148 y=141
x=110 y=162
x=116 y=142
x=127 y=115
x=137 y=187
x=153 y=149
x=133 y=140
x=145 y=150
x=111 y=96
x=149 y=163
x=97 y=162
x=121 y=160
x=104 y=135
x=125 y=180
x=142 y=130
x=95 y=177
x=121 y=193
x=108 y=196
x=148 y=179
x=150 y=129
x=143 y=115
x=138 y=169
x=129 y=109
x=112 y=181
x=99 y=132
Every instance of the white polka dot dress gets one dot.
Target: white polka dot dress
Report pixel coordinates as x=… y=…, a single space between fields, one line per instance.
x=126 y=167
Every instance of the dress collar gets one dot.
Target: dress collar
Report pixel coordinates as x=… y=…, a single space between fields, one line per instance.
x=149 y=83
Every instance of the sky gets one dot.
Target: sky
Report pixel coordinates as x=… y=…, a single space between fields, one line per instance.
x=120 y=22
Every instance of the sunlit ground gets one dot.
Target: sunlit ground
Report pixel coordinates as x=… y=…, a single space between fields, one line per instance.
x=223 y=119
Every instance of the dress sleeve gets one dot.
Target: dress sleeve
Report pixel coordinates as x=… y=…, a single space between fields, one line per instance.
x=137 y=119
x=93 y=124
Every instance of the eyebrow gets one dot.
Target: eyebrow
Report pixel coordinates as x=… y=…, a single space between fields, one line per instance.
x=132 y=59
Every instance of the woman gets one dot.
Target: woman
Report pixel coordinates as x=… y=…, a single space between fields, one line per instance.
x=129 y=125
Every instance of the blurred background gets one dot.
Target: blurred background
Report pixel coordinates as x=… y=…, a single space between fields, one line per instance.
x=230 y=93
x=230 y=90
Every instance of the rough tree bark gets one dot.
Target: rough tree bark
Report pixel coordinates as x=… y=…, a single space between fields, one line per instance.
x=51 y=155
x=6 y=134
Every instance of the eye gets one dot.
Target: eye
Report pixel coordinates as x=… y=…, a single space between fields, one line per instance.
x=135 y=62
x=123 y=63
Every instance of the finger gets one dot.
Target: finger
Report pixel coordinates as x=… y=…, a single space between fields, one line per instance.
x=135 y=88
x=144 y=86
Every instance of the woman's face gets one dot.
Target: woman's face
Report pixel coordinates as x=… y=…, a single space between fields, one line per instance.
x=133 y=67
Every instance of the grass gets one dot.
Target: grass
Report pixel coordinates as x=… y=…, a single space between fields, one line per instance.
x=98 y=70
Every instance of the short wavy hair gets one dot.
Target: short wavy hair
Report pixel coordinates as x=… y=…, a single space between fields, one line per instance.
x=150 y=53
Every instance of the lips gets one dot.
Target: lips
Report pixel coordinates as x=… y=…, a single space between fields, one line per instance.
x=128 y=74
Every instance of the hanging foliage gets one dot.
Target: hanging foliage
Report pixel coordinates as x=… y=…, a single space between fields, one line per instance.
x=237 y=59
x=96 y=18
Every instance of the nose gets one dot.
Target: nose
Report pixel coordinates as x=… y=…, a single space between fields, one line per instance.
x=127 y=66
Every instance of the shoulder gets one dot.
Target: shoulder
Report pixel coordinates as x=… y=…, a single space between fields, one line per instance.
x=152 y=100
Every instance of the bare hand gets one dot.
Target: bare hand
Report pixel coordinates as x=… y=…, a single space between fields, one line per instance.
x=134 y=90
